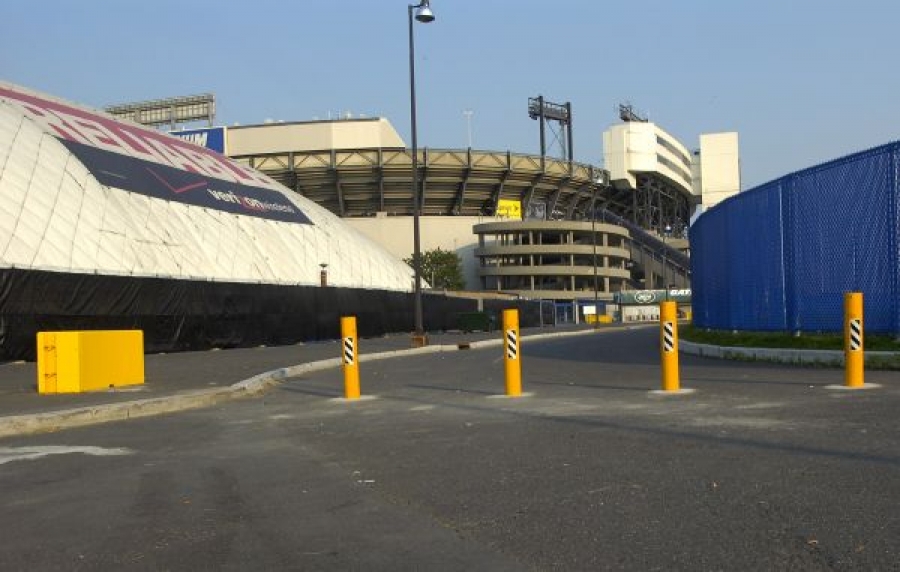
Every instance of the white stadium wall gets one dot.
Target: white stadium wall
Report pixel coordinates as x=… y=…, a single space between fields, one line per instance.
x=450 y=233
x=375 y=132
x=636 y=147
x=720 y=169
x=106 y=223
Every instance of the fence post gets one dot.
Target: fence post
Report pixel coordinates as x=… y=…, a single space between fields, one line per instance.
x=854 y=362
x=350 y=357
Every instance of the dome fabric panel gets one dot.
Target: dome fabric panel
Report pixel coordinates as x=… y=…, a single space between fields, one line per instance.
x=84 y=192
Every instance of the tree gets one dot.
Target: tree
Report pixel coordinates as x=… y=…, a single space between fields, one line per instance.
x=441 y=269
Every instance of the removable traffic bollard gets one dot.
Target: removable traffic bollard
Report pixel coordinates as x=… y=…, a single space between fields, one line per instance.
x=512 y=363
x=349 y=357
x=854 y=361
x=668 y=345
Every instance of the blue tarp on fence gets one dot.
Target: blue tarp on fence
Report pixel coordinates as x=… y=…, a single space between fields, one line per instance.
x=782 y=255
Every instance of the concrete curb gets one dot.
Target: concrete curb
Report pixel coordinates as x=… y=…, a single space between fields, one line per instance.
x=832 y=358
x=51 y=421
x=80 y=416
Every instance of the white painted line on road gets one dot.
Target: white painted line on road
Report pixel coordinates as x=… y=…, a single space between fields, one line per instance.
x=10 y=454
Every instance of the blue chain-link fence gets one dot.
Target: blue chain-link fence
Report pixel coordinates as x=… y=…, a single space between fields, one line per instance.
x=782 y=255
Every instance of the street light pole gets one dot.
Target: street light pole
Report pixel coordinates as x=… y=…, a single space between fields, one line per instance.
x=468 y=113
x=423 y=14
x=666 y=234
x=594 y=239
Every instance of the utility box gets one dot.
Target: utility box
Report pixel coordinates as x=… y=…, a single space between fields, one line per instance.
x=74 y=362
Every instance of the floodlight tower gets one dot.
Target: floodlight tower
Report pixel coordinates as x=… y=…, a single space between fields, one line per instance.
x=561 y=113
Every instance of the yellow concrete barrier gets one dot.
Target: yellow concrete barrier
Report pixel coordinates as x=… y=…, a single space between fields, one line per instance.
x=73 y=362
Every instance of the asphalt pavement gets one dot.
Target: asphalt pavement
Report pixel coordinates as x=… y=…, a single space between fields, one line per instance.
x=185 y=380
x=763 y=467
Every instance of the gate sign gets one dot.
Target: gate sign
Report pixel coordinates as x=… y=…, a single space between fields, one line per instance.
x=651 y=297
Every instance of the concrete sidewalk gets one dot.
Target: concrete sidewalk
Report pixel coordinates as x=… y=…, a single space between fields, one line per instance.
x=187 y=380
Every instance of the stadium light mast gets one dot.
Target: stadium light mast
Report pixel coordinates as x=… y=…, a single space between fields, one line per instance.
x=467 y=113
x=423 y=14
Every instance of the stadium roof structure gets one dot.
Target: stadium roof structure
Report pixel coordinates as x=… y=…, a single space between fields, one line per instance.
x=87 y=193
x=363 y=182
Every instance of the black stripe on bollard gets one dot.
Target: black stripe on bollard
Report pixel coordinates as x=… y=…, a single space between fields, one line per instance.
x=855 y=335
x=668 y=337
x=348 y=351
x=512 y=345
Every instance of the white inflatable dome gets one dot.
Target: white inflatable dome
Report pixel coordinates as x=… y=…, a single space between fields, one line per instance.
x=86 y=193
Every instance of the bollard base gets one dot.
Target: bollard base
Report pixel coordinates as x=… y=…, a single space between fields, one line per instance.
x=853 y=387
x=353 y=400
x=672 y=392
x=504 y=396
x=419 y=340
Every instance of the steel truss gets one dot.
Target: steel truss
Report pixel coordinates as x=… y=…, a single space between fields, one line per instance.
x=466 y=182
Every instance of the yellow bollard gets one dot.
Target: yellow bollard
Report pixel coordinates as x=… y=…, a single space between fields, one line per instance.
x=668 y=345
x=512 y=364
x=853 y=339
x=350 y=357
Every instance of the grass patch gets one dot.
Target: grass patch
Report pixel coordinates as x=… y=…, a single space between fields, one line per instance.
x=782 y=340
x=883 y=362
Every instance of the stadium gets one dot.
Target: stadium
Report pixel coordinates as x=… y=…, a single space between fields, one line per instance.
x=110 y=223
x=615 y=229
x=107 y=224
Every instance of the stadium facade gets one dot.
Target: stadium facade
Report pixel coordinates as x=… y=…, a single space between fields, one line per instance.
x=360 y=170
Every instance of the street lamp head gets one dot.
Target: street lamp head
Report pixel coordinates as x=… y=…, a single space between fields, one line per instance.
x=423 y=12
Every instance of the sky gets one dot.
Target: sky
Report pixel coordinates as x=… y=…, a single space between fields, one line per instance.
x=801 y=81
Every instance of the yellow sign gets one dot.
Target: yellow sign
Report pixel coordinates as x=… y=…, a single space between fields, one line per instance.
x=509 y=209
